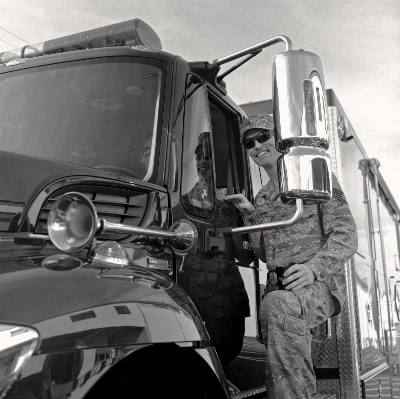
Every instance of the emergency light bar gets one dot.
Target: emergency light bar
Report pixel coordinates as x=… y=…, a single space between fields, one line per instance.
x=130 y=33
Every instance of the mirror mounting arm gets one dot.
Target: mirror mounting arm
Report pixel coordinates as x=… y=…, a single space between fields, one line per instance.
x=236 y=66
x=252 y=49
x=229 y=231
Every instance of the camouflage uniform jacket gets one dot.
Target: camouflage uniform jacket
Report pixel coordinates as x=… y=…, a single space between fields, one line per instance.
x=302 y=242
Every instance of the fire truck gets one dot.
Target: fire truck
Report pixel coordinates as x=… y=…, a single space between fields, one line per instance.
x=115 y=158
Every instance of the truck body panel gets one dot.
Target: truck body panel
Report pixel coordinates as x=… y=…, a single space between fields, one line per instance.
x=361 y=351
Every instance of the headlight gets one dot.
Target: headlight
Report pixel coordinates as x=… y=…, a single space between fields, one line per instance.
x=17 y=343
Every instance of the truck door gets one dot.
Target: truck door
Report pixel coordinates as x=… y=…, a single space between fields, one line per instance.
x=211 y=271
x=233 y=174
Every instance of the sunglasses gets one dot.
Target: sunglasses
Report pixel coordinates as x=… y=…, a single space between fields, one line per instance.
x=261 y=137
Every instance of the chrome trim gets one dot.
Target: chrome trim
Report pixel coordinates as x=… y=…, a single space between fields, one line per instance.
x=35 y=206
x=315 y=142
x=72 y=231
x=301 y=127
x=329 y=329
x=305 y=172
x=9 y=236
x=346 y=341
x=187 y=239
x=107 y=226
x=183 y=234
x=372 y=373
x=374 y=165
x=363 y=166
x=297 y=108
x=272 y=225
x=255 y=47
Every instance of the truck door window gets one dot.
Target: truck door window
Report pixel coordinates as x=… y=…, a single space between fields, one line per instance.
x=226 y=153
x=198 y=195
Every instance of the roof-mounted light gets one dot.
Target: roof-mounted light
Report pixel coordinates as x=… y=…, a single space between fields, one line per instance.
x=130 y=33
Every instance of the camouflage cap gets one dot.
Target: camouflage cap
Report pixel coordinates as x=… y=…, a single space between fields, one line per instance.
x=260 y=121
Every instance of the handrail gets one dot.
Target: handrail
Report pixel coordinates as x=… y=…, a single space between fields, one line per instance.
x=229 y=231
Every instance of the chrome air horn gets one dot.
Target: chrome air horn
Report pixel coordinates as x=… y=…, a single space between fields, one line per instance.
x=73 y=223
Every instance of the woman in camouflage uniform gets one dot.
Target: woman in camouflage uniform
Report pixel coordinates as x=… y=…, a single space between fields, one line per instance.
x=313 y=258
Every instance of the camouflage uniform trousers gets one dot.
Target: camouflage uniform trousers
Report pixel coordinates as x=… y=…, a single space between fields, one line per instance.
x=286 y=319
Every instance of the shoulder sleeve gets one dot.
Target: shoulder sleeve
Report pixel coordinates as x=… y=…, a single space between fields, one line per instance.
x=341 y=233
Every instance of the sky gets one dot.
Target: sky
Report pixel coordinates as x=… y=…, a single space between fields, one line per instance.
x=358 y=42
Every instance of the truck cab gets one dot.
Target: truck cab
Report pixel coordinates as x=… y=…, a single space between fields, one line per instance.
x=138 y=148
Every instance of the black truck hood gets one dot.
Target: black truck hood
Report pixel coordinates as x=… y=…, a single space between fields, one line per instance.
x=82 y=306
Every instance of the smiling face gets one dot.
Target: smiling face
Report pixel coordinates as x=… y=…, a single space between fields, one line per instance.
x=263 y=154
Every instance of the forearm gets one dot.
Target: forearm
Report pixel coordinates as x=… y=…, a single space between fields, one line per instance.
x=334 y=254
x=341 y=233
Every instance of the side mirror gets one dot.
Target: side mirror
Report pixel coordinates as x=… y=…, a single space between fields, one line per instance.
x=301 y=131
x=301 y=135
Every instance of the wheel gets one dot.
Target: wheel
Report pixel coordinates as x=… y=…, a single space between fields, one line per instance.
x=159 y=372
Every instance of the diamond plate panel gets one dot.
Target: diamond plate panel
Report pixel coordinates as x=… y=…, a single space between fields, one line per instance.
x=395 y=386
x=328 y=389
x=347 y=345
x=324 y=352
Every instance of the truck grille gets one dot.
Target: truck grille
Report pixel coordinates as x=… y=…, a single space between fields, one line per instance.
x=113 y=204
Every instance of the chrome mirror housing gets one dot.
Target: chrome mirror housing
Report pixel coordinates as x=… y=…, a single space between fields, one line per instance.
x=301 y=127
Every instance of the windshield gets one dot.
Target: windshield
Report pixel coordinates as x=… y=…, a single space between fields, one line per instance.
x=101 y=113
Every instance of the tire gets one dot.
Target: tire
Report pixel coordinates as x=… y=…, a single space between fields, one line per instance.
x=160 y=372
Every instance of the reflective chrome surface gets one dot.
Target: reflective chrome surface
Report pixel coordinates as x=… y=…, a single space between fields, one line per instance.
x=254 y=48
x=72 y=222
x=186 y=236
x=17 y=344
x=61 y=184
x=88 y=322
x=301 y=127
x=305 y=172
x=56 y=303
x=111 y=254
x=299 y=91
x=61 y=262
x=272 y=225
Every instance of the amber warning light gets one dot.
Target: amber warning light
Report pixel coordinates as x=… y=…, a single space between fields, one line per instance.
x=132 y=33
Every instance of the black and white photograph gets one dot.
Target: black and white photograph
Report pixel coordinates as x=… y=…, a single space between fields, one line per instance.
x=199 y=199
